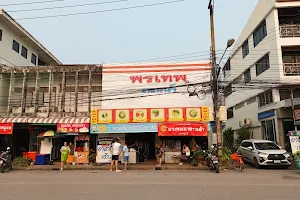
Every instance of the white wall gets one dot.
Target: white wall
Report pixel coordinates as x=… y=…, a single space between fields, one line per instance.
x=7 y=55
x=119 y=85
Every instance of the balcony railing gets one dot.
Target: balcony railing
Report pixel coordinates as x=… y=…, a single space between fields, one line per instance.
x=290 y=30
x=291 y=69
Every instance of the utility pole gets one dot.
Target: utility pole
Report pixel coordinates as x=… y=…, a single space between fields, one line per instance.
x=215 y=95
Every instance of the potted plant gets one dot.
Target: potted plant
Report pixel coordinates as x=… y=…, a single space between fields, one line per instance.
x=198 y=158
x=226 y=152
x=297 y=159
x=92 y=157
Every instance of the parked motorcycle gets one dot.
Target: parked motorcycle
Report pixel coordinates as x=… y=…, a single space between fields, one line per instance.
x=5 y=160
x=212 y=160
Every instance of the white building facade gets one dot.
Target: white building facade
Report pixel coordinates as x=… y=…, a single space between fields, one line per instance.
x=18 y=47
x=264 y=70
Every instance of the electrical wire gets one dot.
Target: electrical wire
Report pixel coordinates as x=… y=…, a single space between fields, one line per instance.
x=102 y=11
x=31 y=3
x=69 y=6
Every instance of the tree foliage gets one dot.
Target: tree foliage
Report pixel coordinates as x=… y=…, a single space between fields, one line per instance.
x=242 y=134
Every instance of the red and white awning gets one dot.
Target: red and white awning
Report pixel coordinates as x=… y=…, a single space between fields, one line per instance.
x=32 y=120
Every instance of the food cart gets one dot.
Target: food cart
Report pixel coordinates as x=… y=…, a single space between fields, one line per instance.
x=82 y=148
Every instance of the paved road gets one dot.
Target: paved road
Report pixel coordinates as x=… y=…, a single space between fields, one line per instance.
x=152 y=185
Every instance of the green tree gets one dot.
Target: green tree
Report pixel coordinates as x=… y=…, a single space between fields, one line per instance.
x=228 y=138
x=242 y=134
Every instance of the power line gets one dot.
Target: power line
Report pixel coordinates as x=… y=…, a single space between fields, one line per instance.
x=70 y=6
x=30 y=3
x=102 y=11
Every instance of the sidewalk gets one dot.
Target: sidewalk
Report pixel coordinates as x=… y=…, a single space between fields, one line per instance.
x=56 y=166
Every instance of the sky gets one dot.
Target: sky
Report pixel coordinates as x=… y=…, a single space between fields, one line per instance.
x=173 y=32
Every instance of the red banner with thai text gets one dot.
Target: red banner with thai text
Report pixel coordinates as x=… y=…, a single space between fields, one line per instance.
x=73 y=128
x=6 y=128
x=182 y=129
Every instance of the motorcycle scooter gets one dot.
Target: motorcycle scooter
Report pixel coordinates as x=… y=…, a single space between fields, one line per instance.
x=212 y=160
x=5 y=160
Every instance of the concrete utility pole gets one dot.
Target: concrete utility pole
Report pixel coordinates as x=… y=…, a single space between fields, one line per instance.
x=215 y=79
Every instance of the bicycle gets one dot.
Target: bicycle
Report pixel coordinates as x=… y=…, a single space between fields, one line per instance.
x=237 y=161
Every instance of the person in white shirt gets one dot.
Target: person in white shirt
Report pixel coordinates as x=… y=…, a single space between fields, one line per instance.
x=126 y=155
x=115 y=148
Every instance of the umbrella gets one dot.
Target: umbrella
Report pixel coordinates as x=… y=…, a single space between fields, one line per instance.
x=50 y=134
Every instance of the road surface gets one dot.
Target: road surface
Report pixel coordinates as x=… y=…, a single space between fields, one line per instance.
x=150 y=185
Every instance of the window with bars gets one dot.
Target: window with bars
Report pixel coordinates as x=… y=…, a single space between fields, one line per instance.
x=265 y=98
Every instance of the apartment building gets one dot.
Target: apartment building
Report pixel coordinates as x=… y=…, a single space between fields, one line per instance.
x=263 y=71
x=18 y=47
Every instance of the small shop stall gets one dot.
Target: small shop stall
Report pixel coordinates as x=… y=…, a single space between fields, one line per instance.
x=81 y=154
x=175 y=135
x=49 y=147
x=78 y=141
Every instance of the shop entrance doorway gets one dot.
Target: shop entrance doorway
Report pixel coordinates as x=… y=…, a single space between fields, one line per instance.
x=201 y=141
x=143 y=143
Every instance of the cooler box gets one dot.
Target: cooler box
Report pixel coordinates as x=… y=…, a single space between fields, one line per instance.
x=25 y=154
x=42 y=159
x=31 y=155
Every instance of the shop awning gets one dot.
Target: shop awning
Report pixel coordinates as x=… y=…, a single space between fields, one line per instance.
x=50 y=134
x=36 y=120
x=14 y=120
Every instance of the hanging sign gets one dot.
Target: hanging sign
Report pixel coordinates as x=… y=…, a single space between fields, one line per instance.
x=73 y=128
x=182 y=129
x=6 y=128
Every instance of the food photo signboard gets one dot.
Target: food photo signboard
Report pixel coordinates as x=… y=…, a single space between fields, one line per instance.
x=142 y=115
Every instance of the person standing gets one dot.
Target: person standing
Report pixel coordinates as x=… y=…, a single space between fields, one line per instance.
x=159 y=154
x=116 y=148
x=126 y=155
x=65 y=151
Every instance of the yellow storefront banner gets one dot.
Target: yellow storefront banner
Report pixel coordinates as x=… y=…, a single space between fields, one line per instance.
x=94 y=116
x=193 y=114
x=142 y=115
x=176 y=115
x=105 y=116
x=122 y=116
x=157 y=115
x=139 y=115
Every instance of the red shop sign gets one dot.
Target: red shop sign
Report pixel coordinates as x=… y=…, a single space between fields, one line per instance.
x=182 y=129
x=73 y=128
x=6 y=128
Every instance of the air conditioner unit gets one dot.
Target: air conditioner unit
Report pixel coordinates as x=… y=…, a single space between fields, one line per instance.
x=242 y=123
x=248 y=121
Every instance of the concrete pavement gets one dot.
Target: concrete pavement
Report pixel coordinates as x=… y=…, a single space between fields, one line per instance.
x=144 y=185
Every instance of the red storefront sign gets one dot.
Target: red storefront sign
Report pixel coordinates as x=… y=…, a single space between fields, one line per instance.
x=6 y=128
x=73 y=128
x=182 y=129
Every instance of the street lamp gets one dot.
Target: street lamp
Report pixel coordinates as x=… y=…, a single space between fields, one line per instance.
x=230 y=42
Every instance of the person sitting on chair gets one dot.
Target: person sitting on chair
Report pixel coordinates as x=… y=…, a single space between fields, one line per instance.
x=185 y=154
